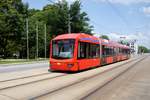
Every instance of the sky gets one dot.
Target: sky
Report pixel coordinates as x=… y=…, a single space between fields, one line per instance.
x=115 y=18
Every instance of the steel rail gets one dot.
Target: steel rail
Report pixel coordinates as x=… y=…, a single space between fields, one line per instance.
x=81 y=80
x=110 y=80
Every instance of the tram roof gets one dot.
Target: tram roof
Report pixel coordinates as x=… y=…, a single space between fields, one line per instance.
x=114 y=44
x=75 y=36
x=84 y=36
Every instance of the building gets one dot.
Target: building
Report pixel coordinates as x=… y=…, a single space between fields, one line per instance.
x=134 y=47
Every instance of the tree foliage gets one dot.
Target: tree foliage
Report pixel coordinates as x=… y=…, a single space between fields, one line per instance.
x=143 y=49
x=79 y=20
x=104 y=37
x=13 y=15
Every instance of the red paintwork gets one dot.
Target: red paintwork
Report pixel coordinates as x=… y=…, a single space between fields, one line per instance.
x=62 y=65
x=119 y=57
x=88 y=63
x=81 y=64
x=109 y=60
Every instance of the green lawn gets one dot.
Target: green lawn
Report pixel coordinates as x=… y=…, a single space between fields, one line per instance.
x=19 y=61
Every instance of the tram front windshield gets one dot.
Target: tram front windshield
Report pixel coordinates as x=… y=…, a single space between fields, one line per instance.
x=63 y=49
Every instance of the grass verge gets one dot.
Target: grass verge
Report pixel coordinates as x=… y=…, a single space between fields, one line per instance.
x=20 y=61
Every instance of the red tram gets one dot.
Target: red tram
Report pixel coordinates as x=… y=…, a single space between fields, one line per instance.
x=75 y=52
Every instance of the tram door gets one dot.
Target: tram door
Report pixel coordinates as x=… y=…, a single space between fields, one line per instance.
x=115 y=52
x=103 y=55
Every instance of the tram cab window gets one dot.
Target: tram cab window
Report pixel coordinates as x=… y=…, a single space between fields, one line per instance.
x=63 y=49
x=88 y=50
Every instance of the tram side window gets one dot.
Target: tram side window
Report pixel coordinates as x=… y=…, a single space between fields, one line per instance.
x=94 y=51
x=123 y=51
x=107 y=51
x=88 y=50
x=120 y=50
x=97 y=50
x=82 y=50
x=126 y=51
x=103 y=51
x=115 y=51
x=112 y=51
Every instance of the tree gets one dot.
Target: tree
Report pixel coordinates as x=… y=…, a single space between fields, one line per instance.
x=55 y=16
x=143 y=49
x=12 y=14
x=104 y=37
x=79 y=20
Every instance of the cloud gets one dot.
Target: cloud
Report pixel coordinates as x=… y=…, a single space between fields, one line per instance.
x=146 y=10
x=116 y=36
x=142 y=38
x=124 y=2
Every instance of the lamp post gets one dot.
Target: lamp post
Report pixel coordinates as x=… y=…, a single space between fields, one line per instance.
x=45 y=39
x=27 y=32
x=37 y=40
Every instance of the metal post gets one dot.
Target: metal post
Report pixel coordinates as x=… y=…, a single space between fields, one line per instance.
x=27 y=32
x=69 y=26
x=37 y=40
x=45 y=40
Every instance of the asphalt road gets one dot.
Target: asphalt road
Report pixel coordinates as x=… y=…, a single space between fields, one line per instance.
x=23 y=67
x=5 y=68
x=132 y=85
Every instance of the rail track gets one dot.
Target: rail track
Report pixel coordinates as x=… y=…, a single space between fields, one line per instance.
x=25 y=77
x=88 y=78
x=89 y=94
x=21 y=79
x=59 y=88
